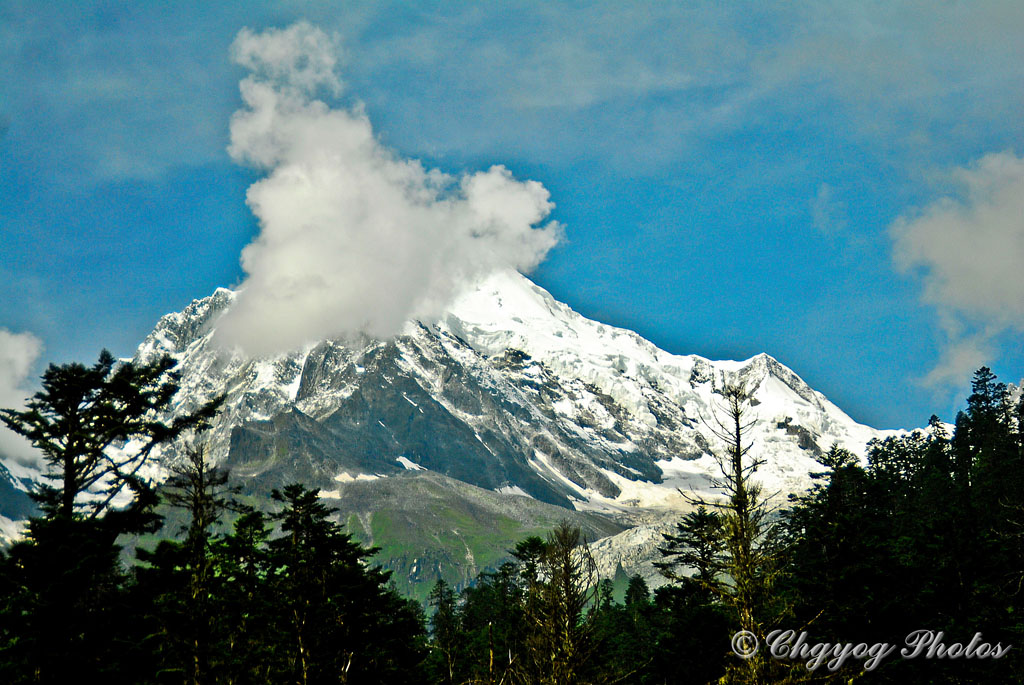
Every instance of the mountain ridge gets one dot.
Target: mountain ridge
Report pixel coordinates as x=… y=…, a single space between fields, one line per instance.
x=511 y=394
x=507 y=351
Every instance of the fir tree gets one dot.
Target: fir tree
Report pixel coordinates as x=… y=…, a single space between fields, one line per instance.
x=564 y=643
x=250 y=640
x=81 y=412
x=446 y=646
x=744 y=575
x=698 y=544
x=67 y=614
x=493 y=627
x=340 y=621
x=183 y=573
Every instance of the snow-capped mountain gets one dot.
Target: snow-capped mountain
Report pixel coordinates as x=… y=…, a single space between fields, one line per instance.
x=452 y=441
x=15 y=504
x=511 y=391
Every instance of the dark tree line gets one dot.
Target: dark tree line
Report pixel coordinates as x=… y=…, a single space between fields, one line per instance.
x=285 y=597
x=928 y=534
x=545 y=617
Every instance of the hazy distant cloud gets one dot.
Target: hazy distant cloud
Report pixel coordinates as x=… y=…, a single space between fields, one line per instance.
x=654 y=79
x=353 y=237
x=961 y=357
x=132 y=92
x=18 y=352
x=969 y=253
x=125 y=96
x=828 y=214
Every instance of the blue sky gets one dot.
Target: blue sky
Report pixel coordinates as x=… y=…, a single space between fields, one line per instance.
x=836 y=184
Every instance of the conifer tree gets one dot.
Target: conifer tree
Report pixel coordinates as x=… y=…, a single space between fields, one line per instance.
x=183 y=573
x=82 y=412
x=69 y=582
x=446 y=647
x=250 y=639
x=339 y=620
x=566 y=628
x=494 y=627
x=560 y=584
x=832 y=556
x=743 y=577
x=698 y=544
x=918 y=538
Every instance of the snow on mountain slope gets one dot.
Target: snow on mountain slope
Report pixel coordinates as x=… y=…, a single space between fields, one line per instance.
x=510 y=312
x=510 y=395
x=15 y=504
x=510 y=391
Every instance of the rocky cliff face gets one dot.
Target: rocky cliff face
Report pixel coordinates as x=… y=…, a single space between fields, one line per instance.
x=15 y=503
x=511 y=392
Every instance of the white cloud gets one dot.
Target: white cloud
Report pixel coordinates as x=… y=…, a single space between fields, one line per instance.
x=961 y=357
x=969 y=253
x=18 y=353
x=355 y=239
x=828 y=214
x=300 y=57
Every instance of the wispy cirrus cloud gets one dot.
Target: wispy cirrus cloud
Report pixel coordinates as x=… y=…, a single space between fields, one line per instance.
x=828 y=212
x=123 y=95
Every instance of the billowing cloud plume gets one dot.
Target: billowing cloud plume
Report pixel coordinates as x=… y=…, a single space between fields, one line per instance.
x=354 y=238
x=18 y=352
x=969 y=252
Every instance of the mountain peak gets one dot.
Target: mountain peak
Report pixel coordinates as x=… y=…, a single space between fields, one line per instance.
x=510 y=389
x=511 y=392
